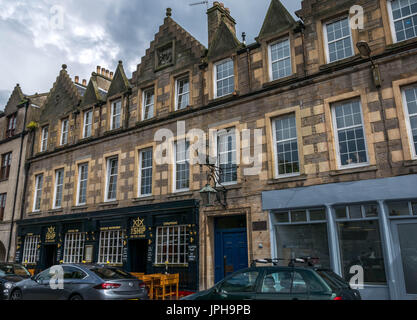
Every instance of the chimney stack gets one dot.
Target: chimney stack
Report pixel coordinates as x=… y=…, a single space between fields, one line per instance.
x=214 y=16
x=77 y=79
x=84 y=82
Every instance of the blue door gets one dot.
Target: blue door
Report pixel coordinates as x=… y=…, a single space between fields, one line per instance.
x=231 y=251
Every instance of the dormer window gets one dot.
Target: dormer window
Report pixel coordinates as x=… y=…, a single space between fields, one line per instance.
x=64 y=131
x=338 y=39
x=183 y=93
x=11 y=125
x=280 y=59
x=44 y=139
x=224 y=82
x=148 y=104
x=403 y=15
x=88 y=124
x=115 y=117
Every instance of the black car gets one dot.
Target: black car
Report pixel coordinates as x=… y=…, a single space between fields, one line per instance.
x=10 y=274
x=280 y=283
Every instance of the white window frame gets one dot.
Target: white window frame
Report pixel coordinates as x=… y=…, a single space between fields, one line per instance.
x=30 y=249
x=38 y=192
x=230 y=131
x=274 y=138
x=408 y=122
x=57 y=172
x=217 y=80
x=114 y=115
x=177 y=94
x=88 y=126
x=174 y=171
x=144 y=105
x=270 y=58
x=80 y=180
x=64 y=131
x=336 y=136
x=44 y=138
x=182 y=248
x=392 y=23
x=109 y=237
x=74 y=247
x=108 y=176
x=326 y=42
x=141 y=168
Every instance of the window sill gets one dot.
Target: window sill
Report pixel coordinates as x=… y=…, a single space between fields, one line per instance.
x=36 y=213
x=353 y=170
x=410 y=163
x=280 y=80
x=109 y=203
x=302 y=177
x=331 y=65
x=225 y=98
x=80 y=207
x=180 y=194
x=58 y=210
x=143 y=199
x=400 y=44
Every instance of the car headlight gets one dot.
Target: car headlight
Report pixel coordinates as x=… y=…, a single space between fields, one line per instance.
x=8 y=285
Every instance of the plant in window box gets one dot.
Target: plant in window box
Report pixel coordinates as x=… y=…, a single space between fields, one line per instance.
x=32 y=126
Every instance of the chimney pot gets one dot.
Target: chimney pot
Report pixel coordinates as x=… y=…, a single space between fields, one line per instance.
x=77 y=79
x=84 y=82
x=111 y=75
x=103 y=71
x=98 y=69
x=107 y=73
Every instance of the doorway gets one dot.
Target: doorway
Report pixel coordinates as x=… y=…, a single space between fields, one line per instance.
x=230 y=246
x=49 y=257
x=405 y=250
x=138 y=250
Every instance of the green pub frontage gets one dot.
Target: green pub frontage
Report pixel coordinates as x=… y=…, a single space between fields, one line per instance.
x=146 y=239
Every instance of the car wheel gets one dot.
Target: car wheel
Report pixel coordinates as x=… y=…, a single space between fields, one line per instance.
x=16 y=295
x=76 y=297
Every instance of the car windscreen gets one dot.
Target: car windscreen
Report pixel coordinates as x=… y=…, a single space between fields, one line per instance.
x=111 y=273
x=332 y=279
x=10 y=269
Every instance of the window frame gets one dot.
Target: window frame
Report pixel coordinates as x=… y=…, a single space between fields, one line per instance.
x=140 y=174
x=177 y=94
x=326 y=40
x=44 y=138
x=108 y=177
x=11 y=120
x=174 y=171
x=113 y=104
x=5 y=169
x=80 y=180
x=30 y=249
x=38 y=192
x=230 y=131
x=74 y=242
x=86 y=125
x=270 y=62
x=144 y=105
x=217 y=80
x=64 y=133
x=392 y=24
x=3 y=199
x=182 y=231
x=116 y=236
x=407 y=116
x=336 y=135
x=56 y=186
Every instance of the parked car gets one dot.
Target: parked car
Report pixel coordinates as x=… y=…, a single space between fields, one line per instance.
x=280 y=283
x=81 y=282
x=11 y=273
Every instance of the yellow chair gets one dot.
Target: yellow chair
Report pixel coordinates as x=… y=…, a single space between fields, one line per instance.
x=164 y=284
x=137 y=274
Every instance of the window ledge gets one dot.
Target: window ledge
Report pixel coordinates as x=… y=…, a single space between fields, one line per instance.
x=36 y=213
x=410 y=163
x=225 y=98
x=233 y=186
x=281 y=80
x=353 y=170
x=288 y=179
x=331 y=65
x=180 y=194
x=109 y=203
x=142 y=199
x=400 y=44
x=52 y=211
x=80 y=207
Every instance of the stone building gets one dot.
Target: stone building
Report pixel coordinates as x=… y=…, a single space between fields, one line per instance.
x=19 y=111
x=332 y=125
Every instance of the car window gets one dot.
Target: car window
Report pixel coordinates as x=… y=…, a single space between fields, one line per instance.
x=299 y=284
x=73 y=273
x=21 y=271
x=313 y=282
x=277 y=282
x=112 y=273
x=6 y=269
x=44 y=276
x=241 y=282
x=332 y=279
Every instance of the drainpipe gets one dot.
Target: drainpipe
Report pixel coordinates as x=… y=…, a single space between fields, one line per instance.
x=333 y=241
x=17 y=180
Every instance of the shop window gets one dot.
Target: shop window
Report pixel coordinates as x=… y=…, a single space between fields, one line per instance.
x=148 y=104
x=226 y=157
x=74 y=247
x=182 y=167
x=30 y=249
x=88 y=124
x=302 y=233
x=115 y=116
x=6 y=162
x=145 y=172
x=59 y=187
x=183 y=93
x=280 y=59
x=350 y=134
x=338 y=38
x=64 y=131
x=38 y=192
x=402 y=208
x=3 y=198
x=286 y=146
x=224 y=83
x=82 y=184
x=403 y=14
x=112 y=175
x=11 y=125
x=410 y=101
x=171 y=245
x=360 y=243
x=111 y=247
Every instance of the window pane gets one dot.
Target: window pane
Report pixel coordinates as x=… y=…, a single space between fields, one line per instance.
x=281 y=59
x=303 y=240
x=317 y=214
x=360 y=244
x=371 y=210
x=282 y=217
x=404 y=13
x=298 y=216
x=398 y=209
x=225 y=78
x=339 y=40
x=340 y=212
x=355 y=212
x=277 y=282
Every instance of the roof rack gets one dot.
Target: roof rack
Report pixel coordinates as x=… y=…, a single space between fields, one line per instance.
x=310 y=261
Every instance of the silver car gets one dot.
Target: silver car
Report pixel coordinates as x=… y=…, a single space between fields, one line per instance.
x=80 y=282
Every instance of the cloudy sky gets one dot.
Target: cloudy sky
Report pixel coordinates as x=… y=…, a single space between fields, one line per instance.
x=38 y=36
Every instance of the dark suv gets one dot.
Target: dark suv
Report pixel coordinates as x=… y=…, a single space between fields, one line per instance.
x=280 y=283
